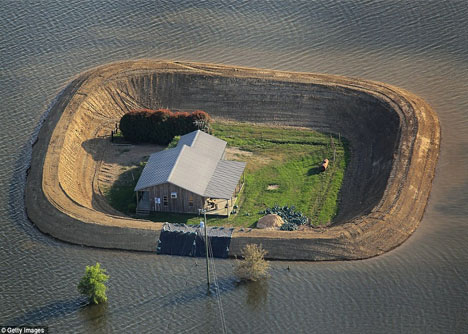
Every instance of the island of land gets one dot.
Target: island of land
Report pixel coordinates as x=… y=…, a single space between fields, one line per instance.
x=283 y=170
x=393 y=135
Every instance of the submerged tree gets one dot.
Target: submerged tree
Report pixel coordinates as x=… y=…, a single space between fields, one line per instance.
x=253 y=267
x=92 y=284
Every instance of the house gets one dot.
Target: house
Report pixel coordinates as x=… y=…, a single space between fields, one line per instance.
x=191 y=176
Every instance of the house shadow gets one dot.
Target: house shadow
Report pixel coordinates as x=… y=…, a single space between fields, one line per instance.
x=119 y=195
x=175 y=218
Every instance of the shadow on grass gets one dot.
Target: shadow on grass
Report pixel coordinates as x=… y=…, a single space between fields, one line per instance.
x=314 y=171
x=121 y=196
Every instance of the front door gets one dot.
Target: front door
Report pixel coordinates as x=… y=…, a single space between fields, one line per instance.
x=157 y=204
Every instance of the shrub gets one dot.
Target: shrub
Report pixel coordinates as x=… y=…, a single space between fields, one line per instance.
x=160 y=126
x=202 y=121
x=174 y=142
x=135 y=125
x=131 y=207
x=254 y=266
x=181 y=123
x=159 y=131
x=92 y=284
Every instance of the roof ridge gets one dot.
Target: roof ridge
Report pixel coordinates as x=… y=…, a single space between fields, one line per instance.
x=176 y=165
x=197 y=132
x=175 y=162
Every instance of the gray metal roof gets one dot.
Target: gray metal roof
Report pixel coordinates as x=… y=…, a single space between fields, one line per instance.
x=194 y=164
x=205 y=144
x=225 y=179
x=158 y=168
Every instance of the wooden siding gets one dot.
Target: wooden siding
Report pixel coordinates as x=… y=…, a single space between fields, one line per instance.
x=180 y=204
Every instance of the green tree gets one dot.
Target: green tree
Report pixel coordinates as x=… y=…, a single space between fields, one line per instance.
x=92 y=284
x=254 y=266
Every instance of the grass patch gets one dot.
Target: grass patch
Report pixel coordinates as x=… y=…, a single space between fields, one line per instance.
x=121 y=195
x=285 y=157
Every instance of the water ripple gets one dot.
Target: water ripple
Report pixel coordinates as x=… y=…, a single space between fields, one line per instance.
x=421 y=45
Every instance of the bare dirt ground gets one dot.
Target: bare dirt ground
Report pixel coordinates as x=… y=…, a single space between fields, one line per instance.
x=120 y=158
x=235 y=152
x=115 y=161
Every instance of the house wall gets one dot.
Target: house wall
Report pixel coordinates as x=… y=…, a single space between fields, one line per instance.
x=180 y=204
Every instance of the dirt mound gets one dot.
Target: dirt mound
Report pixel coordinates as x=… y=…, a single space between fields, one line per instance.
x=270 y=222
x=394 y=138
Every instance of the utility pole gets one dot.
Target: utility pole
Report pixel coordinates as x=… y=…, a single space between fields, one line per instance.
x=206 y=249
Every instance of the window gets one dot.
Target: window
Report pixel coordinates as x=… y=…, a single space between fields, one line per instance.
x=190 y=201
x=165 y=201
x=173 y=195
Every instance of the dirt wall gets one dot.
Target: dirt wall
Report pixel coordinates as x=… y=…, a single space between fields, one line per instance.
x=394 y=139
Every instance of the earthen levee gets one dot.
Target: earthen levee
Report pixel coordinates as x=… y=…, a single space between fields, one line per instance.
x=394 y=138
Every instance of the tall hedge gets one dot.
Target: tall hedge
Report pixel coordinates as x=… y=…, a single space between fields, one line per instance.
x=160 y=126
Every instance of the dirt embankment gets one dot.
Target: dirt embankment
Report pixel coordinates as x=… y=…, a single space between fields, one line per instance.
x=394 y=139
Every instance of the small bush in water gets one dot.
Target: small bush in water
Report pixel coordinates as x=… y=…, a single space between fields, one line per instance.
x=253 y=267
x=92 y=284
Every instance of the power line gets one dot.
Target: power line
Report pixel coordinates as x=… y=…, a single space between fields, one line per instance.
x=216 y=285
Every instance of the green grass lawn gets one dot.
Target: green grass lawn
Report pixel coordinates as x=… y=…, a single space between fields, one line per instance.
x=286 y=157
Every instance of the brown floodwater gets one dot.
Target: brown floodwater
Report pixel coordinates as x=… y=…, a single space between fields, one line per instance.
x=421 y=46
